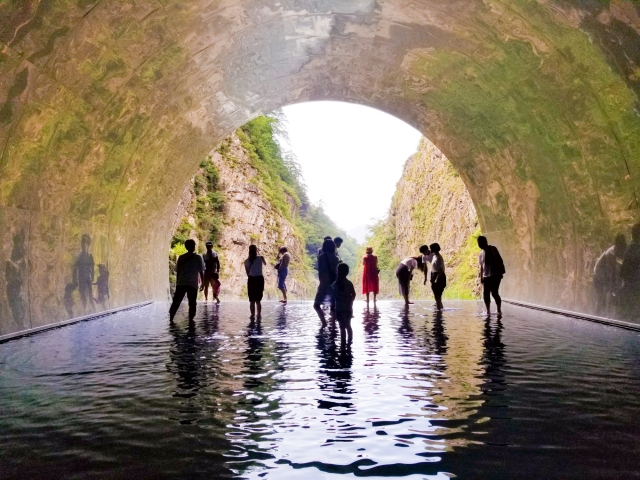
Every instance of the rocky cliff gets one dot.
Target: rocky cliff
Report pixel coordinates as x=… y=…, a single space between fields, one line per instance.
x=431 y=204
x=246 y=216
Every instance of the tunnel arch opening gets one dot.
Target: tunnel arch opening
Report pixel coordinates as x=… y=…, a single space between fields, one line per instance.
x=106 y=108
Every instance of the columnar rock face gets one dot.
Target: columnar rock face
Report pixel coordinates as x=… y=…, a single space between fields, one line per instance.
x=431 y=204
x=249 y=218
x=107 y=108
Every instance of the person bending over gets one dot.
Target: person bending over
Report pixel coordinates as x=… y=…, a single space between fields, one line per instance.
x=345 y=294
x=189 y=269
x=491 y=271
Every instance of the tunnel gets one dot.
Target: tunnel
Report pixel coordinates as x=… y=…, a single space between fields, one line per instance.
x=108 y=107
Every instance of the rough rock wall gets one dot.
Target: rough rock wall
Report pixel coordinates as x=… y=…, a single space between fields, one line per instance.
x=432 y=204
x=107 y=108
x=249 y=218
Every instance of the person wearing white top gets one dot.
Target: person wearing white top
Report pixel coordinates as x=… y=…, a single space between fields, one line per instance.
x=255 y=280
x=438 y=277
x=427 y=258
x=403 y=274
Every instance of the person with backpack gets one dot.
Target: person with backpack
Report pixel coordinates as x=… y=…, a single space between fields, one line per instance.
x=255 y=280
x=327 y=274
x=189 y=270
x=491 y=271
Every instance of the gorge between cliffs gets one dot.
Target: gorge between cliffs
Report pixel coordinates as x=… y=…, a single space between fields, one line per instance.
x=250 y=190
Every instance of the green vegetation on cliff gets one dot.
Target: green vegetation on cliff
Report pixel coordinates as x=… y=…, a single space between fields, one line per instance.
x=431 y=204
x=278 y=181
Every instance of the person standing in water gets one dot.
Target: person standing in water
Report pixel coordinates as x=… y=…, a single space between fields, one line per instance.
x=215 y=286
x=338 y=241
x=211 y=266
x=327 y=273
x=370 y=280
x=189 y=269
x=255 y=280
x=345 y=294
x=491 y=272
x=438 y=277
x=427 y=258
x=282 y=265
x=404 y=275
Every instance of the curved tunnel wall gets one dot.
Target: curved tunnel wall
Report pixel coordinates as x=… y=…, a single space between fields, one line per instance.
x=107 y=107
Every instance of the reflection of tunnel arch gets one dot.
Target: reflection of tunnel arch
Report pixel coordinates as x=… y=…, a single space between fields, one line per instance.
x=107 y=107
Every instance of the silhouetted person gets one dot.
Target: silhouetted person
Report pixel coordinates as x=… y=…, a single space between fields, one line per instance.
x=102 y=284
x=438 y=276
x=370 y=280
x=189 y=269
x=255 y=280
x=491 y=271
x=606 y=276
x=15 y=270
x=284 y=259
x=327 y=237
x=338 y=241
x=344 y=294
x=630 y=275
x=327 y=273
x=404 y=275
x=83 y=273
x=211 y=266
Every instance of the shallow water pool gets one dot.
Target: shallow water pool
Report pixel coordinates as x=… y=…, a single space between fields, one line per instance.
x=419 y=395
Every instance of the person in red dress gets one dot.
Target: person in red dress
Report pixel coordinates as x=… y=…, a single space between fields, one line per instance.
x=370 y=283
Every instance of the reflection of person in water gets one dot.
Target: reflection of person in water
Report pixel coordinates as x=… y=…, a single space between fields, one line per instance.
x=439 y=335
x=15 y=269
x=630 y=275
x=102 y=285
x=606 y=276
x=184 y=361
x=83 y=273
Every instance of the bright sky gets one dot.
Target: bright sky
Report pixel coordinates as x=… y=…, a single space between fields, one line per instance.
x=351 y=158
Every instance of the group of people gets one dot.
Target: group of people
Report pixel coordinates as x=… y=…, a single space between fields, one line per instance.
x=333 y=284
x=193 y=269
x=616 y=278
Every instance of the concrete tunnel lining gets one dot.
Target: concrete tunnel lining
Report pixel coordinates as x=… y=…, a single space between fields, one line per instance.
x=107 y=108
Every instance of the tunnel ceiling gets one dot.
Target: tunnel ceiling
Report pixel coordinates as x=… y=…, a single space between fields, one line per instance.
x=107 y=107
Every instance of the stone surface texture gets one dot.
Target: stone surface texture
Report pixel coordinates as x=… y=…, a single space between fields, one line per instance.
x=431 y=204
x=249 y=218
x=108 y=107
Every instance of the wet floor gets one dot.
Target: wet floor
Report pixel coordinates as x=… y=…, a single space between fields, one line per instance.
x=534 y=395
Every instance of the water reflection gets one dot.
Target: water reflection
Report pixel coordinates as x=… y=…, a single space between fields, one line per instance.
x=420 y=395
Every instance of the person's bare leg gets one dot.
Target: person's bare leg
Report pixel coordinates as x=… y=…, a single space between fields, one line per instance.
x=367 y=299
x=252 y=308
x=439 y=305
x=320 y=313
x=206 y=292
x=259 y=305
x=349 y=333
x=375 y=295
